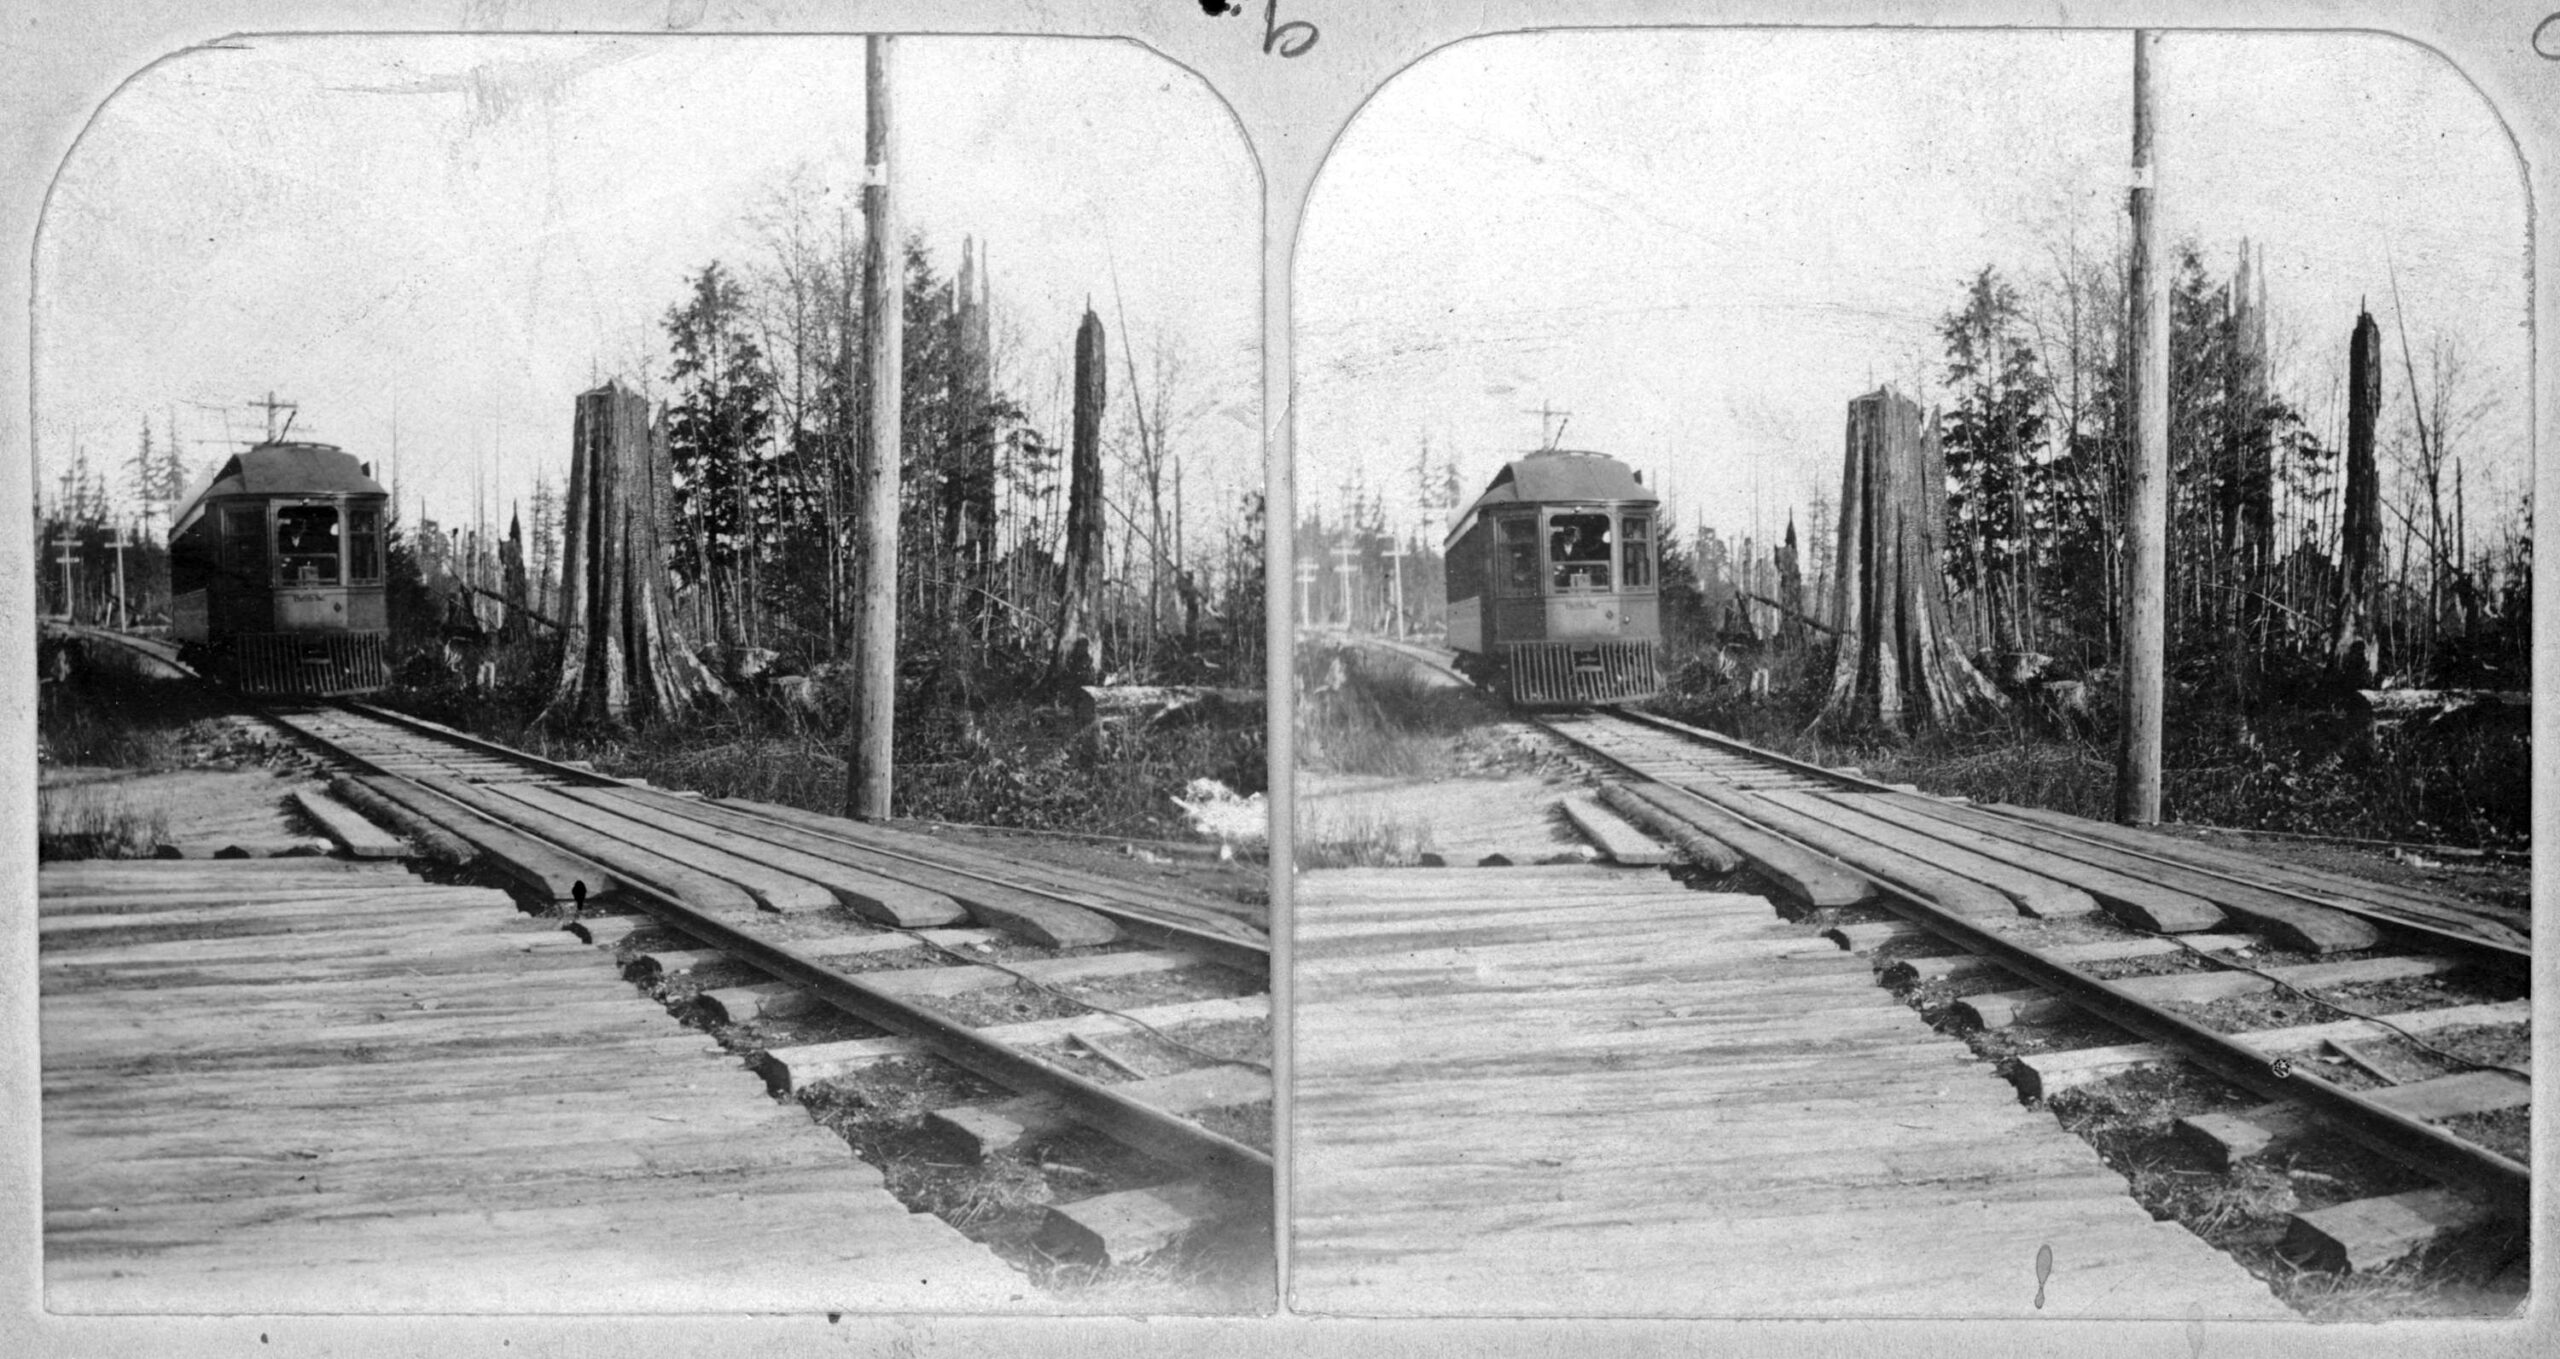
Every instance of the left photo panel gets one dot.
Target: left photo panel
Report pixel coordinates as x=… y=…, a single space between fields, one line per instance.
x=651 y=693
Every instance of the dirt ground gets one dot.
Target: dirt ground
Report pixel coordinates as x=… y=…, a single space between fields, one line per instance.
x=192 y=807
x=1237 y=884
x=1462 y=819
x=2494 y=879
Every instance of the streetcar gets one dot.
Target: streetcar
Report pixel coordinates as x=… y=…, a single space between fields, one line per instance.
x=1554 y=588
x=276 y=573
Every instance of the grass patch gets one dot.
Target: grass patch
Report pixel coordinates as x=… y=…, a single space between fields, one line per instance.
x=107 y=712
x=1330 y=837
x=86 y=822
x=2309 y=763
x=1012 y=763
x=1360 y=713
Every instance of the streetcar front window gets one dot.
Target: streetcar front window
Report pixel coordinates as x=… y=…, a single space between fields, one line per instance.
x=1519 y=537
x=307 y=544
x=1578 y=550
x=244 y=540
x=364 y=545
x=1635 y=534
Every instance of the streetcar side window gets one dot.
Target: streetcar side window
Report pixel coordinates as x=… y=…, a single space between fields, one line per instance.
x=1519 y=550
x=244 y=540
x=307 y=544
x=1635 y=552
x=364 y=545
x=1578 y=548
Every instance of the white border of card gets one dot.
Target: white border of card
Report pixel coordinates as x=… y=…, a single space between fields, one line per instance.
x=1294 y=73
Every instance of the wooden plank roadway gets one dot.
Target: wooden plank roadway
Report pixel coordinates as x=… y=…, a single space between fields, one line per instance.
x=1591 y=1091
x=274 y=1086
x=2147 y=878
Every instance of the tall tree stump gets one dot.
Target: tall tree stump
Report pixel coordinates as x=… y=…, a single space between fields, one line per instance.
x=1077 y=659
x=2351 y=645
x=624 y=653
x=1898 y=663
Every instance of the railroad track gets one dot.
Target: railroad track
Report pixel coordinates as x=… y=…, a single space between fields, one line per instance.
x=2045 y=920
x=764 y=913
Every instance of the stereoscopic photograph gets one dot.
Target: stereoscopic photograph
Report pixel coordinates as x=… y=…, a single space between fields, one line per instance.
x=1912 y=682
x=650 y=682
x=1258 y=677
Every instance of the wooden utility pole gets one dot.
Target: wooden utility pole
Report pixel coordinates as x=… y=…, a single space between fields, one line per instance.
x=875 y=633
x=1345 y=557
x=123 y=615
x=271 y=406
x=1306 y=593
x=1395 y=588
x=2147 y=513
x=70 y=546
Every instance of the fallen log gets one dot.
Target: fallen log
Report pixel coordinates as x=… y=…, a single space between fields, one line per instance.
x=2407 y=702
x=1158 y=701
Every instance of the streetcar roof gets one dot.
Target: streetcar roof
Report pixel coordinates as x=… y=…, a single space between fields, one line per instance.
x=283 y=469
x=1557 y=475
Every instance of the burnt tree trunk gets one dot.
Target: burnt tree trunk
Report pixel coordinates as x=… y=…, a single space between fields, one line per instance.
x=2247 y=529
x=623 y=653
x=2352 y=650
x=1790 y=589
x=1898 y=664
x=975 y=539
x=1077 y=657
x=511 y=577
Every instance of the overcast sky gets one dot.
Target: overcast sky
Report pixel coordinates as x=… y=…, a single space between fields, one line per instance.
x=1703 y=244
x=472 y=230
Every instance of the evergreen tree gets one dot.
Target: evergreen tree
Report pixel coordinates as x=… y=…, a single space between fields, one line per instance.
x=1991 y=436
x=717 y=428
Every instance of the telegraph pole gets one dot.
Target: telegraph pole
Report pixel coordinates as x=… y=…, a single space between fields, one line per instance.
x=123 y=615
x=2147 y=518
x=70 y=545
x=271 y=405
x=1306 y=593
x=875 y=634
x=1395 y=588
x=1550 y=427
x=1345 y=557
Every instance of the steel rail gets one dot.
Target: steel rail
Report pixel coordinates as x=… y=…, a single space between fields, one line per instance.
x=469 y=813
x=2419 y=1145
x=1232 y=950
x=2503 y=953
x=482 y=744
x=1238 y=1168
x=1140 y=1125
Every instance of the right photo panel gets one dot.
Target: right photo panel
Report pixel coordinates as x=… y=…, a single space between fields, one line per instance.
x=1912 y=682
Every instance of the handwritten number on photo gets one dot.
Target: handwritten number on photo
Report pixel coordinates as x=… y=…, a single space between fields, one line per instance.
x=1291 y=39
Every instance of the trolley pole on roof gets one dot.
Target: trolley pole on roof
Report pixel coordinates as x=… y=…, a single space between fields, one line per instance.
x=271 y=406
x=2147 y=520
x=875 y=635
x=1551 y=423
